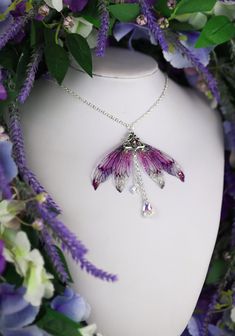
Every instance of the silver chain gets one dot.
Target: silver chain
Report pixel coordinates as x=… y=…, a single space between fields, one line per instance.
x=129 y=126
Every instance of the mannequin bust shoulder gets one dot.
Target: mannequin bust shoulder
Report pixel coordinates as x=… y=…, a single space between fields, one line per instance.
x=162 y=261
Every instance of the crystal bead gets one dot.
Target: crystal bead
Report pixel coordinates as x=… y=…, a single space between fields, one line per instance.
x=134 y=189
x=147 y=209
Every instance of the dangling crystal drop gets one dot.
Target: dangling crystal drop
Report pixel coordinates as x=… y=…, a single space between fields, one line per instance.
x=134 y=189
x=147 y=209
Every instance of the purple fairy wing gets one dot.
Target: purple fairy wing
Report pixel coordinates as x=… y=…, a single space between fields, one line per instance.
x=155 y=161
x=153 y=170
x=118 y=163
x=122 y=169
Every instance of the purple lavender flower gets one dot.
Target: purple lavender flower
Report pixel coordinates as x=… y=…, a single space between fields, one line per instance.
x=152 y=24
x=76 y=5
x=201 y=68
x=52 y=252
x=104 y=27
x=179 y=60
x=29 y=177
x=12 y=31
x=30 y=77
x=2 y=259
x=71 y=244
x=72 y=305
x=120 y=161
x=3 y=92
x=4 y=4
x=16 y=314
x=229 y=131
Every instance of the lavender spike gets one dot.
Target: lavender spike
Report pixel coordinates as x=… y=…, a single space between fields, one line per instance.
x=29 y=177
x=53 y=254
x=104 y=27
x=215 y=297
x=13 y=30
x=4 y=186
x=96 y=272
x=31 y=73
x=71 y=244
x=153 y=25
x=211 y=81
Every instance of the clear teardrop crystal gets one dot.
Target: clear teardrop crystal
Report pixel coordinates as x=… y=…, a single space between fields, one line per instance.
x=147 y=209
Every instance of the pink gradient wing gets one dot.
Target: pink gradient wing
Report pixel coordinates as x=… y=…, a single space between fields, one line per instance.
x=118 y=163
x=155 y=162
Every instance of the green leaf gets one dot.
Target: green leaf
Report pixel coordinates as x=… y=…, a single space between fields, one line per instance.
x=9 y=58
x=58 y=324
x=11 y=276
x=80 y=50
x=194 y=6
x=125 y=12
x=218 y=30
x=161 y=7
x=57 y=61
x=216 y=271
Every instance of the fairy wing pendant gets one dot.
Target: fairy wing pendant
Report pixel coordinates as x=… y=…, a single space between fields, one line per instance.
x=130 y=157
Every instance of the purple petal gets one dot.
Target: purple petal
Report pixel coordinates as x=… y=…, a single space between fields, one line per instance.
x=2 y=264
x=3 y=92
x=20 y=319
x=6 y=160
x=28 y=331
x=105 y=168
x=76 y=5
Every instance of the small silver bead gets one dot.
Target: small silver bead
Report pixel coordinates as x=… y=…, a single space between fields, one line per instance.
x=68 y=22
x=43 y=10
x=141 y=20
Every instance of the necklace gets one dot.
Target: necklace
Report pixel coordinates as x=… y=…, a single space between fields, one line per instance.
x=132 y=155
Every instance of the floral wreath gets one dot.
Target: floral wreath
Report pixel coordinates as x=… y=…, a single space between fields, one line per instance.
x=193 y=41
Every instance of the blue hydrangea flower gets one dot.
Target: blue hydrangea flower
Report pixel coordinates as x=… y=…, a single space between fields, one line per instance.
x=16 y=314
x=179 y=61
x=72 y=305
x=6 y=161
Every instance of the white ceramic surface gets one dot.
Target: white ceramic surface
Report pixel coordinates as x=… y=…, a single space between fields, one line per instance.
x=161 y=262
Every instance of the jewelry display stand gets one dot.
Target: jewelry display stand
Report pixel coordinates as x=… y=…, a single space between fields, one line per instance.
x=161 y=261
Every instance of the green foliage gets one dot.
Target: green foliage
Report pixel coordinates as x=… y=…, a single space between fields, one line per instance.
x=192 y=6
x=80 y=50
x=11 y=276
x=58 y=324
x=56 y=57
x=22 y=67
x=217 y=30
x=9 y=58
x=125 y=12
x=217 y=270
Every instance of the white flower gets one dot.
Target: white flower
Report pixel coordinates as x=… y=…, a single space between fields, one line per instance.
x=232 y=315
x=225 y=10
x=9 y=209
x=37 y=281
x=30 y=265
x=57 y=4
x=84 y=28
x=89 y=330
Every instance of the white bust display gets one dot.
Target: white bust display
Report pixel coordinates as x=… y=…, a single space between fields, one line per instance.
x=161 y=261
